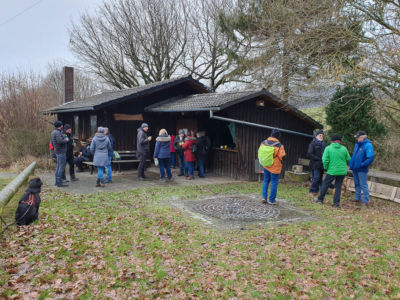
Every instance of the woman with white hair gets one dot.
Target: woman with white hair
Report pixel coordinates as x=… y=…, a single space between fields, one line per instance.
x=100 y=147
x=162 y=152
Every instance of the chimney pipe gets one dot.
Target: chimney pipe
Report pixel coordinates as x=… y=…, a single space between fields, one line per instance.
x=68 y=73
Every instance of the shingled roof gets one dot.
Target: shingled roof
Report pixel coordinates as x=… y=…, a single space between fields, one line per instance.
x=112 y=97
x=220 y=101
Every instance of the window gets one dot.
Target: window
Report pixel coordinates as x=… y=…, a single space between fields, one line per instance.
x=76 y=126
x=93 y=125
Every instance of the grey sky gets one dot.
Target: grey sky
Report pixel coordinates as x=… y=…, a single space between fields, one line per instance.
x=39 y=35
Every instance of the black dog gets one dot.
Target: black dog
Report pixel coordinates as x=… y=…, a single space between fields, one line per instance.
x=28 y=207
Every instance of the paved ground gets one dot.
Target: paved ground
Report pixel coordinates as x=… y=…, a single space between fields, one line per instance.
x=127 y=180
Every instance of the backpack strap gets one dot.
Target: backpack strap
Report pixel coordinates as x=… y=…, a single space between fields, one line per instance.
x=272 y=143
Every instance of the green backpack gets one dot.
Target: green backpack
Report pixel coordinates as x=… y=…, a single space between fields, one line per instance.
x=266 y=153
x=116 y=156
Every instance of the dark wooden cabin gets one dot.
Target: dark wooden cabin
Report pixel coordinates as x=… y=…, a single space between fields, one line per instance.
x=236 y=122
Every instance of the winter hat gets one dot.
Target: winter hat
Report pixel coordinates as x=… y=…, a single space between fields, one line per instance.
x=67 y=126
x=144 y=125
x=100 y=130
x=181 y=131
x=360 y=133
x=57 y=124
x=276 y=133
x=336 y=137
x=320 y=131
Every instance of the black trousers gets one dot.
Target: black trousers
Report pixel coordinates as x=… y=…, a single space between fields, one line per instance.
x=70 y=162
x=338 y=187
x=142 y=163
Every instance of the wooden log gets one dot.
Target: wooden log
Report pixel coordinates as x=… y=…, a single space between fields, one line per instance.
x=297 y=177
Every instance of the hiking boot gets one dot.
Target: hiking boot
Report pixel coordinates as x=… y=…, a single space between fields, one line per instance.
x=170 y=179
x=264 y=201
x=190 y=178
x=63 y=184
x=316 y=200
x=107 y=181
x=163 y=180
x=271 y=203
x=335 y=205
x=364 y=205
x=141 y=178
x=74 y=179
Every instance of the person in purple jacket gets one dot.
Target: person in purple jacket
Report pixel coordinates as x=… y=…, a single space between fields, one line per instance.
x=162 y=153
x=362 y=158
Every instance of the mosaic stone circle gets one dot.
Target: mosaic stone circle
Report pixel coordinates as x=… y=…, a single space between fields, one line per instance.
x=231 y=208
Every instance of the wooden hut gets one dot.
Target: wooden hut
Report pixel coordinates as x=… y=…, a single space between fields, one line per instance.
x=236 y=122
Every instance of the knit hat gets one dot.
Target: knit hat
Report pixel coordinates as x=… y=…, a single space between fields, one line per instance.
x=336 y=137
x=100 y=130
x=144 y=125
x=181 y=131
x=67 y=126
x=318 y=132
x=360 y=133
x=57 y=124
x=275 y=133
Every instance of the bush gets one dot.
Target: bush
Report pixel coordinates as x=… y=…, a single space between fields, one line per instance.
x=22 y=142
x=350 y=110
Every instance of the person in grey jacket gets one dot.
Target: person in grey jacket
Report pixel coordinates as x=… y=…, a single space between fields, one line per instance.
x=59 y=141
x=100 y=147
x=142 y=148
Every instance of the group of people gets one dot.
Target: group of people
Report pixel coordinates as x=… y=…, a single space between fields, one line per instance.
x=100 y=150
x=191 y=149
x=333 y=159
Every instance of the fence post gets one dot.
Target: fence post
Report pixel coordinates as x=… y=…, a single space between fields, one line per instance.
x=9 y=191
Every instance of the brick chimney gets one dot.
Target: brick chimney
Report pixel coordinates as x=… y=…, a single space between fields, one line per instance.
x=68 y=73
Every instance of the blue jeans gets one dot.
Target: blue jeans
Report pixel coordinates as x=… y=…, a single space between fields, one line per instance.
x=109 y=170
x=361 y=184
x=327 y=183
x=274 y=180
x=164 y=163
x=200 y=165
x=61 y=162
x=316 y=175
x=190 y=166
x=173 y=159
x=182 y=164
x=100 y=173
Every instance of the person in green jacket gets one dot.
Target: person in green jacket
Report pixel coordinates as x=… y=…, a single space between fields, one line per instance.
x=335 y=160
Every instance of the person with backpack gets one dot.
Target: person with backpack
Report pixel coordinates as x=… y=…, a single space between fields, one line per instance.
x=162 y=153
x=362 y=158
x=59 y=142
x=110 y=155
x=178 y=143
x=270 y=156
x=202 y=148
x=315 y=150
x=335 y=160
x=189 y=153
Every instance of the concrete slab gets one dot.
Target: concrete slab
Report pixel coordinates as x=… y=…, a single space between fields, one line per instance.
x=128 y=180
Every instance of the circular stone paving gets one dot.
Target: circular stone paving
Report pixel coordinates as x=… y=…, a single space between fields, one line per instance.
x=232 y=208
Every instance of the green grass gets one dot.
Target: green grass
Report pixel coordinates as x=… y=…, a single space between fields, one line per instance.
x=133 y=245
x=9 y=210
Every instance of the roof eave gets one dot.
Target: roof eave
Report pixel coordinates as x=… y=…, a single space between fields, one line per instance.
x=52 y=112
x=184 y=110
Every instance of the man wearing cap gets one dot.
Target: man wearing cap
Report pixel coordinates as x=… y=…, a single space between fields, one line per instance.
x=70 y=153
x=334 y=159
x=59 y=142
x=142 y=148
x=315 y=150
x=363 y=156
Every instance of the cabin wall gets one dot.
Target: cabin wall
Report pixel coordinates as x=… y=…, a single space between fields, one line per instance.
x=248 y=139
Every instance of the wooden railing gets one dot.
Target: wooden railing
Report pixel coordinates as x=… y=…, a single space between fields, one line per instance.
x=9 y=191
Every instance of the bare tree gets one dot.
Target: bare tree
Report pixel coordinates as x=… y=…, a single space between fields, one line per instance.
x=206 y=55
x=132 y=42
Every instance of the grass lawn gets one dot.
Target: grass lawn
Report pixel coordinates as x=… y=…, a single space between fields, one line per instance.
x=132 y=245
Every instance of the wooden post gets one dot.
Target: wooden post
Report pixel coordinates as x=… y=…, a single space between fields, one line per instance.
x=9 y=191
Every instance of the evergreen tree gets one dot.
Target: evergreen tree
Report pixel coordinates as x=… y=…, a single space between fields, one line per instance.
x=352 y=109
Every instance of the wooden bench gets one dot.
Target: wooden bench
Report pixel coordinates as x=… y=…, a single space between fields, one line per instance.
x=113 y=162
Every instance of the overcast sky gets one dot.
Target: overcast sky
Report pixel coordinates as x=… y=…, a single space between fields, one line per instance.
x=35 y=32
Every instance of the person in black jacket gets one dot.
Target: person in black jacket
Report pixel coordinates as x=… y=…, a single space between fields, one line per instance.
x=142 y=148
x=70 y=153
x=203 y=145
x=59 y=142
x=315 y=151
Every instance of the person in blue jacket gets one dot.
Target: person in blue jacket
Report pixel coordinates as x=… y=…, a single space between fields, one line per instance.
x=162 y=153
x=363 y=156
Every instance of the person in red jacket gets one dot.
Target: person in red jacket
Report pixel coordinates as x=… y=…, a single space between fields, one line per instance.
x=172 y=150
x=190 y=157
